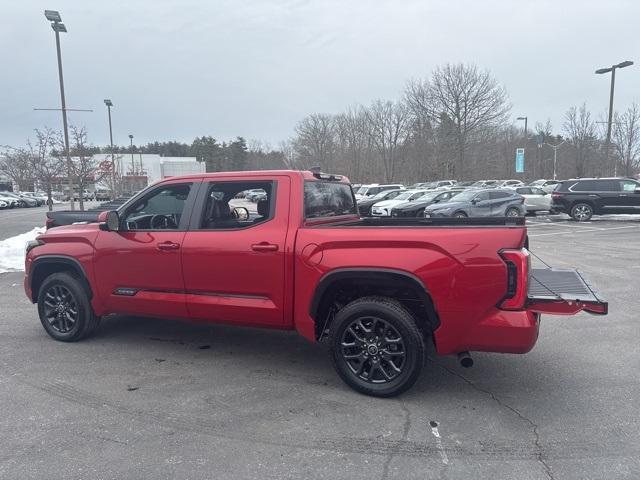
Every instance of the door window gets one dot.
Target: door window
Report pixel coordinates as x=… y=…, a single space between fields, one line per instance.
x=499 y=194
x=482 y=196
x=537 y=191
x=525 y=190
x=628 y=186
x=161 y=209
x=233 y=205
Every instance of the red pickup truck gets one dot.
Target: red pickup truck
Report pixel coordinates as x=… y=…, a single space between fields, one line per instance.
x=377 y=289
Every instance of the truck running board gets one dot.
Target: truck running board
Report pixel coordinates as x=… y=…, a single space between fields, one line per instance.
x=562 y=292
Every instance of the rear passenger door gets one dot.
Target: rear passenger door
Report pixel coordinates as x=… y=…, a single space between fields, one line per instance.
x=499 y=201
x=234 y=267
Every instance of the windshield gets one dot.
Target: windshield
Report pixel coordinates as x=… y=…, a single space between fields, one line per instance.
x=362 y=190
x=405 y=196
x=381 y=195
x=538 y=182
x=428 y=196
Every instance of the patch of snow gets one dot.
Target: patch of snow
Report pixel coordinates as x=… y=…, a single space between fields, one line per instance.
x=12 y=250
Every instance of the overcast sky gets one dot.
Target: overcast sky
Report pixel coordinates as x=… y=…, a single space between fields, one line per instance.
x=180 y=69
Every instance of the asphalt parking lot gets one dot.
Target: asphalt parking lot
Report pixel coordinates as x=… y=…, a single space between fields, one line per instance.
x=159 y=399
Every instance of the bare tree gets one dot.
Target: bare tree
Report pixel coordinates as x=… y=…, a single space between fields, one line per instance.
x=46 y=166
x=84 y=164
x=626 y=136
x=315 y=141
x=16 y=164
x=463 y=100
x=581 y=135
x=388 y=129
x=353 y=141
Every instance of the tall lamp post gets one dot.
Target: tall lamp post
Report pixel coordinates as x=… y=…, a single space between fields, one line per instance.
x=555 y=155
x=600 y=71
x=109 y=104
x=525 y=125
x=57 y=26
x=133 y=163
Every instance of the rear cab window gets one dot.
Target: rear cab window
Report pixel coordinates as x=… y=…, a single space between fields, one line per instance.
x=328 y=199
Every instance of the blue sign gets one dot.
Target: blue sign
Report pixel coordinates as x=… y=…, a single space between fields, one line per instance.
x=519 y=160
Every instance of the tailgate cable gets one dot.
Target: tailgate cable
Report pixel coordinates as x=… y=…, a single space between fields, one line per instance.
x=539 y=282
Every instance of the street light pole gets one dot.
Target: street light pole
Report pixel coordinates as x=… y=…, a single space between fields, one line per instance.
x=555 y=156
x=525 y=125
x=58 y=27
x=133 y=163
x=607 y=143
x=109 y=104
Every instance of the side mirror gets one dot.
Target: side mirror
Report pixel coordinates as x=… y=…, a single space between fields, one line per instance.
x=474 y=201
x=241 y=213
x=109 y=221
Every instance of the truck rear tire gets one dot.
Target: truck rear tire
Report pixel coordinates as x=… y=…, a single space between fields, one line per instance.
x=64 y=308
x=376 y=346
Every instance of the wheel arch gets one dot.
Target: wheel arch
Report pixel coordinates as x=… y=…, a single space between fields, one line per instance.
x=340 y=286
x=47 y=265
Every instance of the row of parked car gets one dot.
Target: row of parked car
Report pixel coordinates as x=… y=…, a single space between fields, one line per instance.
x=22 y=199
x=579 y=198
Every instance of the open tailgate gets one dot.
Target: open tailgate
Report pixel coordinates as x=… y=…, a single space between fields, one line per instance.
x=562 y=292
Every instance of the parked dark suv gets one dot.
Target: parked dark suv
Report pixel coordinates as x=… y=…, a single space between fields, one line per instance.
x=585 y=197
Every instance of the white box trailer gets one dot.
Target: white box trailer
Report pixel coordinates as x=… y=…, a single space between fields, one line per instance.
x=171 y=168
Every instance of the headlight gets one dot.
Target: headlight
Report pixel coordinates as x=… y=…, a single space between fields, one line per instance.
x=31 y=244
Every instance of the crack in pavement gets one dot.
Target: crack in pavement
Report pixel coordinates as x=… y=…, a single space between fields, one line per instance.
x=405 y=434
x=534 y=427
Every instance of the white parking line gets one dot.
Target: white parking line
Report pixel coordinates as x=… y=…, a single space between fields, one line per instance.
x=586 y=230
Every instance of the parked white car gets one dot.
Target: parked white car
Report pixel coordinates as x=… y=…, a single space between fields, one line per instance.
x=383 y=209
x=546 y=185
x=370 y=190
x=535 y=199
x=509 y=184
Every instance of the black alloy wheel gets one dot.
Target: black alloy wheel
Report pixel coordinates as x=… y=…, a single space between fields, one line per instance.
x=65 y=308
x=377 y=347
x=373 y=350
x=60 y=308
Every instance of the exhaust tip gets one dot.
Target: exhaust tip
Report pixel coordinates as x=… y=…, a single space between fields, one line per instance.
x=465 y=359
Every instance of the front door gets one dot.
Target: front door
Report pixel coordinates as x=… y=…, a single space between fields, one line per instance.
x=481 y=205
x=233 y=263
x=139 y=268
x=626 y=200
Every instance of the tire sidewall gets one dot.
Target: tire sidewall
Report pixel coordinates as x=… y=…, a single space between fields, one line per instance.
x=85 y=313
x=412 y=340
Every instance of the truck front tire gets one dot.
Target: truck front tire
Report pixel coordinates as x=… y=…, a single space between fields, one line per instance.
x=64 y=308
x=376 y=346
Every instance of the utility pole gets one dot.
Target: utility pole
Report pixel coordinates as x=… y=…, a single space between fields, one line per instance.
x=600 y=71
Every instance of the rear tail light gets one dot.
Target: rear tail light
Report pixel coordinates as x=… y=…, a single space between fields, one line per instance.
x=518 y=262
x=555 y=195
